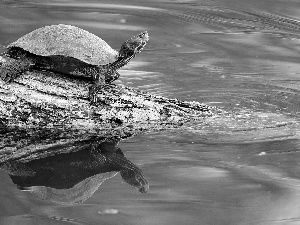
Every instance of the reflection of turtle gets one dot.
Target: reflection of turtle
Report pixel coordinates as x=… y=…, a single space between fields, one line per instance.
x=129 y=172
x=69 y=50
x=75 y=175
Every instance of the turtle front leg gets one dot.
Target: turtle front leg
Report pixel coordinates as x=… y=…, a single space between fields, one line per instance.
x=101 y=79
x=11 y=68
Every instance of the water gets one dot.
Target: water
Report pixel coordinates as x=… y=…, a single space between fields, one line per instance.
x=238 y=168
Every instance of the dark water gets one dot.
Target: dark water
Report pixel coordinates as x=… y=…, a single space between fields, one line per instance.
x=241 y=56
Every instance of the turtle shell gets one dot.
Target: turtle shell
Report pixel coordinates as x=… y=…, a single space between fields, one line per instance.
x=69 y=41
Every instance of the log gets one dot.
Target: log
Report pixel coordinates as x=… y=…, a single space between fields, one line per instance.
x=42 y=109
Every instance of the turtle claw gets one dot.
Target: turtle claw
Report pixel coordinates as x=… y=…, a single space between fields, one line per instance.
x=92 y=93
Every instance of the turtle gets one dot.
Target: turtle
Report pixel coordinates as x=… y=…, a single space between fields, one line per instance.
x=69 y=50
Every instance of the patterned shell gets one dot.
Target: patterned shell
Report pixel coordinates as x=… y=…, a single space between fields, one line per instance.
x=67 y=40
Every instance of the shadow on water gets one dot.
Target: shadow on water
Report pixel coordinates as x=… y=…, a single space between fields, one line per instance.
x=239 y=167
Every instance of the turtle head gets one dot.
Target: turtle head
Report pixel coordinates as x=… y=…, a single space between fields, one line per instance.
x=127 y=52
x=135 y=178
x=133 y=46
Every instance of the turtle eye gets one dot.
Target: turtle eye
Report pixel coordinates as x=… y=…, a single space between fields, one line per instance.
x=144 y=35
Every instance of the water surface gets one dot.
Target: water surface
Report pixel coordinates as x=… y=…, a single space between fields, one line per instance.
x=238 y=168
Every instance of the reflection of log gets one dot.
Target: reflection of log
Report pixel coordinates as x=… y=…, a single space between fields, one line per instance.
x=44 y=109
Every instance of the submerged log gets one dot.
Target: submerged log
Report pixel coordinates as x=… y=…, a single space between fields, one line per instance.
x=42 y=108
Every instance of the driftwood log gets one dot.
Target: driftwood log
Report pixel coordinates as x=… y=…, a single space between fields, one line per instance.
x=41 y=110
